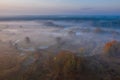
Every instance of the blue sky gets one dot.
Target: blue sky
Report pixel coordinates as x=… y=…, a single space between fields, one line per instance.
x=54 y=7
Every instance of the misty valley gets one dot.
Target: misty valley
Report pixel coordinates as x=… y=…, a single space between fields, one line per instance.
x=60 y=48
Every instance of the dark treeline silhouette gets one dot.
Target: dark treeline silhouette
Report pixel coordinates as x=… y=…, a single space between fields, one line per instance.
x=58 y=17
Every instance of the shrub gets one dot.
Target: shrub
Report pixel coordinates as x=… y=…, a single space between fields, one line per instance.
x=112 y=49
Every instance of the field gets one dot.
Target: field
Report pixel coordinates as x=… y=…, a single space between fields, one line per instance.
x=50 y=50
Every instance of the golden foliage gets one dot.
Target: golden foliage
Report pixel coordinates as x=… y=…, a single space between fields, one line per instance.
x=66 y=65
x=109 y=45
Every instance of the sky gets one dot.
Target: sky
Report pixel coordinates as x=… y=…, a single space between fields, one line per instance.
x=59 y=7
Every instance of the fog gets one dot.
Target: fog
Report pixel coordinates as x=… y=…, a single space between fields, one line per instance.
x=68 y=35
x=59 y=48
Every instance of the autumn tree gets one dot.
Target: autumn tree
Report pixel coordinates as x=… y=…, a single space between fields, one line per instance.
x=112 y=48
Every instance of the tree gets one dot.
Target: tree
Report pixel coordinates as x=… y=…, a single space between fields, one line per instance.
x=112 y=48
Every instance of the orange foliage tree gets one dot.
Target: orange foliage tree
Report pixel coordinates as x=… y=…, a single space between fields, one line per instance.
x=112 y=48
